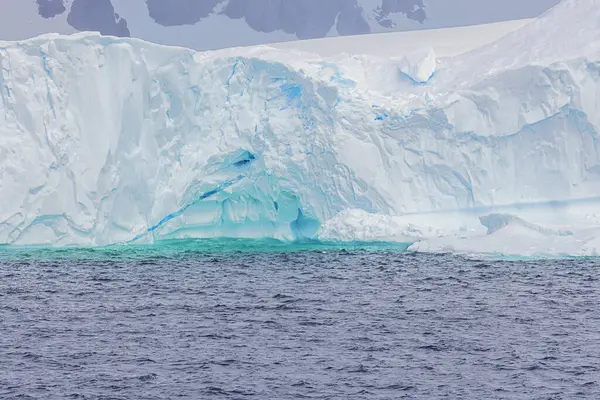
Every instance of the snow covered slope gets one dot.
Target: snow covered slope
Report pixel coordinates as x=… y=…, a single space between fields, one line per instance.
x=106 y=140
x=213 y=24
x=447 y=42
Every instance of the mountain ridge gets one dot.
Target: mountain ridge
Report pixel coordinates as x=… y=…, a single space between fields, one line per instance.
x=214 y=24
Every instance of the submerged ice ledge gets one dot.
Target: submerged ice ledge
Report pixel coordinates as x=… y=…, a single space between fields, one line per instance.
x=108 y=140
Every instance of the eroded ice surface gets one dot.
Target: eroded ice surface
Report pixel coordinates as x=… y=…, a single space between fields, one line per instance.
x=419 y=65
x=106 y=140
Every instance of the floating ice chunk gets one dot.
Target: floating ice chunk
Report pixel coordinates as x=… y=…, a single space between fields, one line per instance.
x=359 y=225
x=509 y=235
x=419 y=65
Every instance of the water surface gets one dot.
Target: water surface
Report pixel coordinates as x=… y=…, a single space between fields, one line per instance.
x=249 y=320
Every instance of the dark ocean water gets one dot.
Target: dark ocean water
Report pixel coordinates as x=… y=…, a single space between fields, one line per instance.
x=247 y=321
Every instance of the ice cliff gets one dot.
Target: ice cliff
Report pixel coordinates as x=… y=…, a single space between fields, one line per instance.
x=106 y=140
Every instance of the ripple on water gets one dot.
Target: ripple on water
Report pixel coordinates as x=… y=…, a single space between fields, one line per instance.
x=320 y=323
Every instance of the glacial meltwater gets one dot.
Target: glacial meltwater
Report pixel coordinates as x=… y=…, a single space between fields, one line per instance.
x=264 y=320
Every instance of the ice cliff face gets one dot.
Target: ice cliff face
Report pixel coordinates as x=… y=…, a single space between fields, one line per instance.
x=110 y=141
x=107 y=140
x=213 y=24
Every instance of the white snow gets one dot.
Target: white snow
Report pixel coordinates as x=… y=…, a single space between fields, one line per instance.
x=419 y=65
x=519 y=238
x=106 y=140
x=446 y=42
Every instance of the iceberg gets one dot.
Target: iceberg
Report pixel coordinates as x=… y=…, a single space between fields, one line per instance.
x=106 y=140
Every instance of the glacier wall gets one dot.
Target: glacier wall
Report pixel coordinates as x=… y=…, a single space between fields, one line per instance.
x=106 y=140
